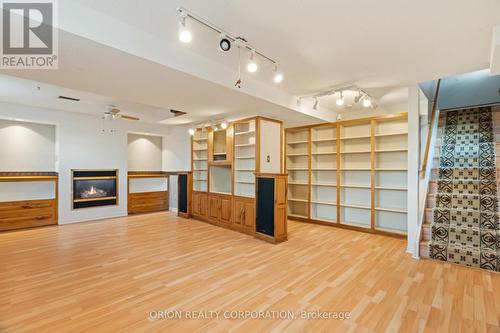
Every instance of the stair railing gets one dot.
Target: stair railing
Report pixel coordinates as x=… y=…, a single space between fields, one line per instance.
x=433 y=125
x=432 y=120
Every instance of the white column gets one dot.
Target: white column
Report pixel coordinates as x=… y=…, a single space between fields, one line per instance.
x=413 y=176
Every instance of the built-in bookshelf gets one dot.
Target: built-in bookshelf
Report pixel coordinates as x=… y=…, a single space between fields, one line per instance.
x=323 y=173
x=200 y=160
x=350 y=173
x=245 y=149
x=297 y=162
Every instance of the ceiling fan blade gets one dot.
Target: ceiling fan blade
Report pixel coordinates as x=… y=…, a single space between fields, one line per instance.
x=129 y=117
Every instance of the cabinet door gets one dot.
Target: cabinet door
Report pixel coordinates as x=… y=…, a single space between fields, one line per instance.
x=280 y=213
x=225 y=212
x=196 y=204
x=214 y=208
x=203 y=204
x=238 y=211
x=249 y=215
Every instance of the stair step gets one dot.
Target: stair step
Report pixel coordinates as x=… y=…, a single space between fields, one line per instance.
x=424 y=250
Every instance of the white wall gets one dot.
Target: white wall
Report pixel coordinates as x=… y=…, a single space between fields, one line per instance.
x=81 y=144
x=270 y=145
x=144 y=152
x=27 y=146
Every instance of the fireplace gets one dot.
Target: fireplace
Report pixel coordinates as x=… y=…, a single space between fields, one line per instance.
x=94 y=188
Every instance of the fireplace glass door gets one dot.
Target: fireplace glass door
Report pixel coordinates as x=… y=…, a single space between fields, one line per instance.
x=94 y=188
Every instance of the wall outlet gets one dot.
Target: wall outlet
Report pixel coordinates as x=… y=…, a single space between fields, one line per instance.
x=268 y=159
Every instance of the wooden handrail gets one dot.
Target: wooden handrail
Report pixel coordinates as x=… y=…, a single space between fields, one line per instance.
x=431 y=128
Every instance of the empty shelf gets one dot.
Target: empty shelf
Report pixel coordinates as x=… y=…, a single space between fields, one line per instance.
x=324 y=203
x=297 y=142
x=355 y=206
x=298 y=169
x=245 y=170
x=355 y=186
x=244 y=133
x=297 y=154
x=245 y=157
x=200 y=139
x=297 y=183
x=199 y=180
x=200 y=159
x=245 y=145
x=325 y=153
x=356 y=137
x=356 y=152
x=391 y=150
x=219 y=154
x=200 y=149
x=243 y=182
x=324 y=169
x=391 y=169
x=298 y=200
x=391 y=188
x=393 y=210
x=391 y=134
x=355 y=169
x=324 y=140
x=324 y=184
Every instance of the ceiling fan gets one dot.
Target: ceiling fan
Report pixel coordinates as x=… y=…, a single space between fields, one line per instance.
x=112 y=112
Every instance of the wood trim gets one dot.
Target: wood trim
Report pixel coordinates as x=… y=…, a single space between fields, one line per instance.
x=352 y=121
x=338 y=130
x=28 y=214
x=27 y=178
x=309 y=174
x=431 y=127
x=372 y=174
x=148 y=202
x=349 y=227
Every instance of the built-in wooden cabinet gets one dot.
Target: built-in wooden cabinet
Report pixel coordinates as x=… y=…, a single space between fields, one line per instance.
x=220 y=146
x=244 y=214
x=350 y=173
x=200 y=205
x=224 y=164
x=220 y=207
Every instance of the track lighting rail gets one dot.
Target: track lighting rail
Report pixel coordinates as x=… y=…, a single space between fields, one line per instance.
x=241 y=42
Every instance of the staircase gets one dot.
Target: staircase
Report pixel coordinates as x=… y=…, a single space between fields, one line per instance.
x=461 y=223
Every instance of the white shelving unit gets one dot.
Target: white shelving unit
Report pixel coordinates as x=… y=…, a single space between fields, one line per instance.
x=355 y=173
x=324 y=173
x=297 y=164
x=391 y=156
x=244 y=158
x=200 y=160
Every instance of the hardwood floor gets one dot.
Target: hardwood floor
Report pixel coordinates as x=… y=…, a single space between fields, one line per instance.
x=108 y=276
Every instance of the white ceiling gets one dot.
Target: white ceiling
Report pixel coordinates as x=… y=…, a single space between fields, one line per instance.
x=101 y=75
x=380 y=46
x=324 y=43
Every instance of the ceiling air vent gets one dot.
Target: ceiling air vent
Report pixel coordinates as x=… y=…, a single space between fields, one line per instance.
x=69 y=98
x=177 y=113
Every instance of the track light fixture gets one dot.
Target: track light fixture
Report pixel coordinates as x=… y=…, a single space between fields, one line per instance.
x=252 y=66
x=278 y=77
x=340 y=100
x=225 y=43
x=185 y=35
x=362 y=96
x=316 y=103
x=191 y=131
x=367 y=102
x=223 y=125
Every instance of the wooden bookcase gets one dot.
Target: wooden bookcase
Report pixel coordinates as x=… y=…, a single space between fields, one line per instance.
x=224 y=189
x=351 y=173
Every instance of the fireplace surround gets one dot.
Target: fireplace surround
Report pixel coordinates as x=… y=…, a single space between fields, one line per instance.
x=94 y=188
